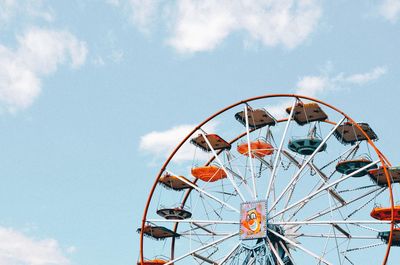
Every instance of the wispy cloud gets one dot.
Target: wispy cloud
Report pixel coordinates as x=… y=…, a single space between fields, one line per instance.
x=19 y=10
x=117 y=56
x=161 y=143
x=314 y=85
x=201 y=25
x=18 y=249
x=39 y=52
x=390 y=9
x=143 y=13
x=113 y=2
x=318 y=85
x=6 y=10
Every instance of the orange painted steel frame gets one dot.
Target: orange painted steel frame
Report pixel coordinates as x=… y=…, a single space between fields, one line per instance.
x=384 y=162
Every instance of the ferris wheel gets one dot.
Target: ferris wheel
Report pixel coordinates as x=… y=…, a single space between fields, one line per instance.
x=278 y=179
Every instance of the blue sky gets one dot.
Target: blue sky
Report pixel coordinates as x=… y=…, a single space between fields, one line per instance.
x=84 y=84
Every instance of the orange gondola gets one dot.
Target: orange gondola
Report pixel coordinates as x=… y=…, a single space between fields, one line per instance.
x=153 y=262
x=209 y=173
x=385 y=214
x=259 y=148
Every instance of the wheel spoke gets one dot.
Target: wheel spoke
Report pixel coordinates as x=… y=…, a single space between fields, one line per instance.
x=205 y=193
x=237 y=174
x=336 y=226
x=202 y=248
x=306 y=163
x=271 y=246
x=328 y=210
x=287 y=252
x=300 y=247
x=277 y=156
x=331 y=222
x=249 y=152
x=223 y=167
x=363 y=247
x=194 y=221
x=322 y=176
x=322 y=235
x=326 y=187
x=230 y=253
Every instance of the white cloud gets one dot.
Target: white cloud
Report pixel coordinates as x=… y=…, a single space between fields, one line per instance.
x=360 y=79
x=98 y=61
x=314 y=85
x=19 y=10
x=19 y=249
x=143 y=12
x=162 y=143
x=201 y=25
x=317 y=85
x=71 y=249
x=113 y=2
x=390 y=9
x=39 y=53
x=117 y=56
x=6 y=10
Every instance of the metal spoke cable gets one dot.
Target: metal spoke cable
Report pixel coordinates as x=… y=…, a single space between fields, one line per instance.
x=357 y=189
x=350 y=151
x=367 y=228
x=345 y=254
x=326 y=243
x=365 y=204
x=364 y=247
x=349 y=260
x=334 y=230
